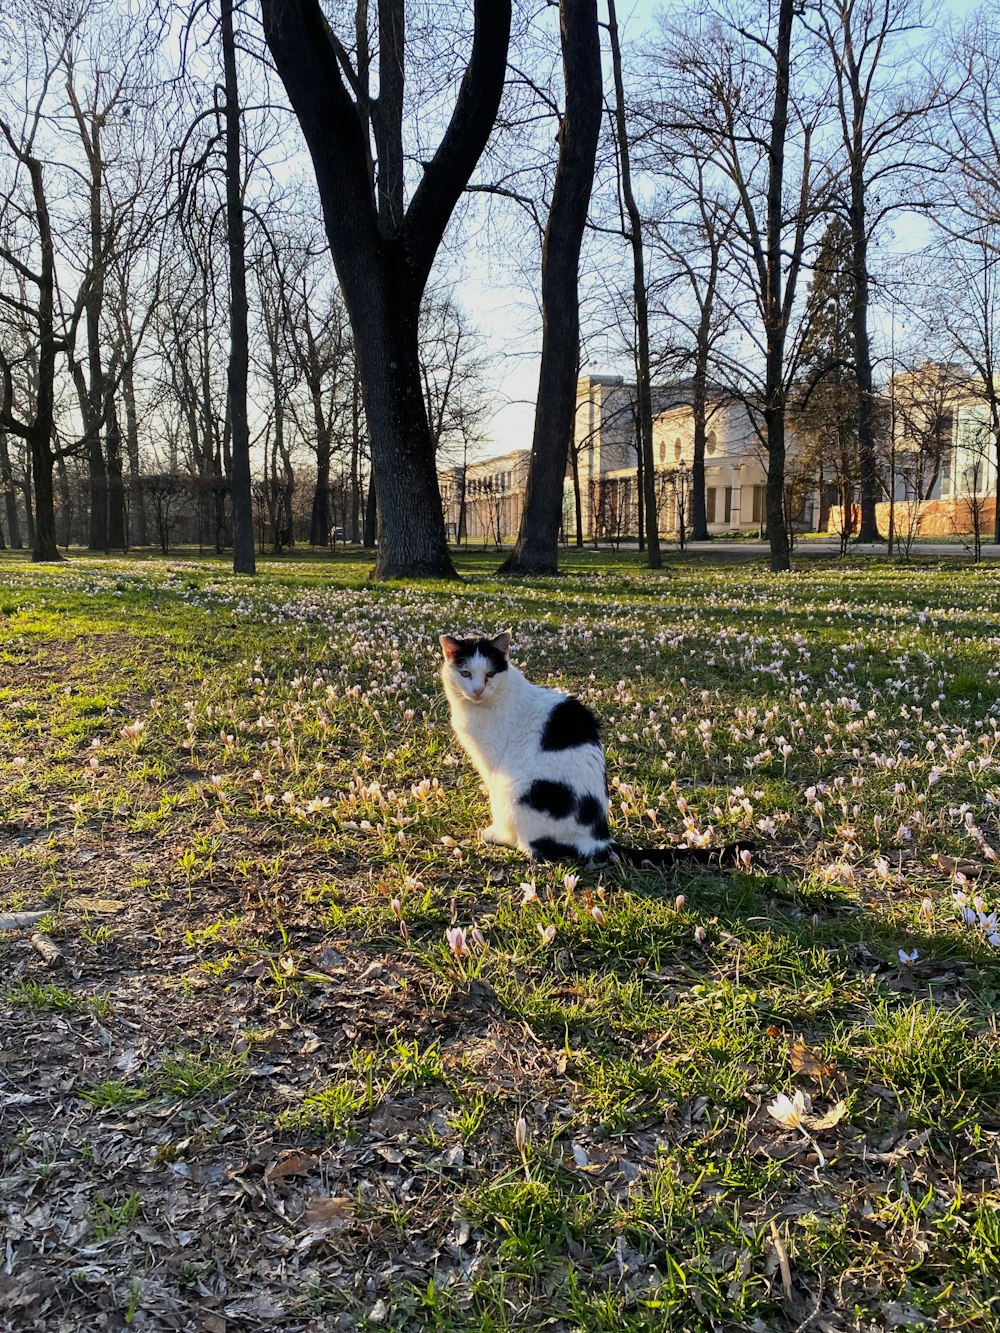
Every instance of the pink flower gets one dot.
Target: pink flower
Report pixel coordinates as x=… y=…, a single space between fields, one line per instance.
x=456 y=941
x=548 y=933
x=18 y=764
x=679 y=902
x=598 y=915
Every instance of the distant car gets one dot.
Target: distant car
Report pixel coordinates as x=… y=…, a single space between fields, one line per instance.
x=339 y=535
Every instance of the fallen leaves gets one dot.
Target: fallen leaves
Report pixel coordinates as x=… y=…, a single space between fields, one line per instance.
x=805 y=1060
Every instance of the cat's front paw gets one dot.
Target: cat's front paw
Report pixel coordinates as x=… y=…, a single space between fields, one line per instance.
x=491 y=835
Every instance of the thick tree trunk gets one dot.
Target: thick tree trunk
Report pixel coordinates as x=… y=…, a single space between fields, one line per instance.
x=319 y=518
x=411 y=533
x=244 y=559
x=537 y=548
x=383 y=254
x=44 y=546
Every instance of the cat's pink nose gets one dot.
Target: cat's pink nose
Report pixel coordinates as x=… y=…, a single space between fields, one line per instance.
x=477 y=693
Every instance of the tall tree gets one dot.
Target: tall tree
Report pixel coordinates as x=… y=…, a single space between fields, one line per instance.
x=537 y=548
x=244 y=561
x=640 y=298
x=37 y=429
x=732 y=85
x=884 y=117
x=826 y=404
x=382 y=247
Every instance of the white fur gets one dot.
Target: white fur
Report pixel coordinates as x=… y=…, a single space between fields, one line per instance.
x=499 y=721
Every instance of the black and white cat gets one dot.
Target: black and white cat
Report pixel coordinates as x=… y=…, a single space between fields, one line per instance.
x=539 y=752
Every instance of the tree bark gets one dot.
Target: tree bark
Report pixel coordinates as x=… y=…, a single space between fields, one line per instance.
x=383 y=254
x=244 y=557
x=537 y=548
x=371 y=517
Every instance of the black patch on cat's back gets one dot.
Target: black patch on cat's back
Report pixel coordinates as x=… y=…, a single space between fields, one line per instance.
x=549 y=798
x=569 y=725
x=549 y=849
x=591 y=813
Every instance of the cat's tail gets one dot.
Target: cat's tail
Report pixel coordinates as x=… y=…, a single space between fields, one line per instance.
x=729 y=854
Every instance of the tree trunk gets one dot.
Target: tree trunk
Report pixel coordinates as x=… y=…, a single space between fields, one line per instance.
x=138 y=535
x=371 y=517
x=319 y=519
x=644 y=406
x=537 y=548
x=10 y=493
x=244 y=558
x=383 y=254
x=355 y=459
x=699 y=408
x=42 y=466
x=774 y=317
x=577 y=497
x=867 y=463
x=116 y=488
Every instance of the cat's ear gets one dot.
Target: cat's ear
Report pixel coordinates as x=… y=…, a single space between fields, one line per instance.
x=502 y=641
x=450 y=646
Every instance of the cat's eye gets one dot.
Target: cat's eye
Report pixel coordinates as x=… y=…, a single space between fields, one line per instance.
x=466 y=674
x=490 y=675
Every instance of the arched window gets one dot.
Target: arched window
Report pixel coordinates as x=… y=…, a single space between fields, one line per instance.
x=677 y=449
x=663 y=451
x=710 y=443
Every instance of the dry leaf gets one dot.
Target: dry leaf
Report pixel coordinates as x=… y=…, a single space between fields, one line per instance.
x=951 y=866
x=334 y=1214
x=100 y=906
x=807 y=1061
x=294 y=1164
x=833 y=1116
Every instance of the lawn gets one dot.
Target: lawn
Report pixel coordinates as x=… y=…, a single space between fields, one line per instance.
x=251 y=1076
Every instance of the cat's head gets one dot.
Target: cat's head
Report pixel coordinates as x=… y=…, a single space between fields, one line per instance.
x=475 y=667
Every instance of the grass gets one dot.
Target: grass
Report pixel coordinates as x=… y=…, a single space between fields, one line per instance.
x=261 y=775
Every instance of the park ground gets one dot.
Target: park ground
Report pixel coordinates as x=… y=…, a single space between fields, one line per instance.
x=248 y=1080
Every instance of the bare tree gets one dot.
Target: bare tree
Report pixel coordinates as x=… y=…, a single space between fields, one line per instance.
x=884 y=113
x=731 y=84
x=640 y=296
x=383 y=249
x=537 y=548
